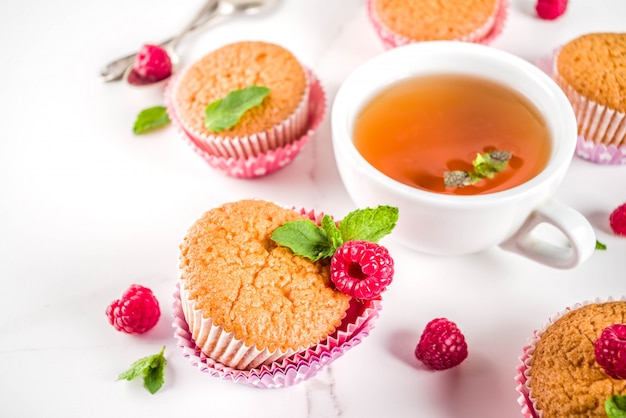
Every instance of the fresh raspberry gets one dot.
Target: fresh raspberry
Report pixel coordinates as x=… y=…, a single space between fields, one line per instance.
x=361 y=269
x=136 y=312
x=442 y=345
x=153 y=63
x=610 y=351
x=617 y=220
x=550 y=9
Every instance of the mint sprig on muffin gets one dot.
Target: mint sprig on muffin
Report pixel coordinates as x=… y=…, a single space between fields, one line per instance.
x=615 y=406
x=224 y=113
x=359 y=267
x=315 y=242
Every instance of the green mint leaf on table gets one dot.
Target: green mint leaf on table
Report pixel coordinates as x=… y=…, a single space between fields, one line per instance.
x=150 y=119
x=600 y=246
x=151 y=368
x=615 y=406
x=225 y=113
x=485 y=166
x=314 y=242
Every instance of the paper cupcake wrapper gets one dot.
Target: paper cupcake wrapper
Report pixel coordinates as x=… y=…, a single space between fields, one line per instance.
x=484 y=35
x=260 y=155
x=223 y=346
x=602 y=131
x=252 y=145
x=525 y=400
x=272 y=370
x=357 y=324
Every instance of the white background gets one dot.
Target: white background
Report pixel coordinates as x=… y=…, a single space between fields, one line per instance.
x=87 y=208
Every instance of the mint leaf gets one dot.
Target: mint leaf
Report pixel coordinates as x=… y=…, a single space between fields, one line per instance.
x=600 y=246
x=368 y=224
x=154 y=376
x=305 y=239
x=225 y=113
x=332 y=232
x=615 y=406
x=485 y=166
x=150 y=119
x=152 y=368
x=314 y=242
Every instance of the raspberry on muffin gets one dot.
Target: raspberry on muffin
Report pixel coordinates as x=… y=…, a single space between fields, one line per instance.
x=570 y=368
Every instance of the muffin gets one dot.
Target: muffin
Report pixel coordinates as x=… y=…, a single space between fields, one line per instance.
x=399 y=22
x=280 y=121
x=559 y=375
x=591 y=70
x=248 y=301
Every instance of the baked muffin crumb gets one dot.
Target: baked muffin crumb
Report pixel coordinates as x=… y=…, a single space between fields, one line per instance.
x=234 y=67
x=245 y=282
x=564 y=377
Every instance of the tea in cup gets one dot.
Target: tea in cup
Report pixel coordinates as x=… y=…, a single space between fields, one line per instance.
x=409 y=120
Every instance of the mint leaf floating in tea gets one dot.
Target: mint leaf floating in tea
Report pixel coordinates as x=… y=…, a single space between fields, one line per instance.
x=151 y=368
x=150 y=119
x=485 y=166
x=314 y=242
x=225 y=113
x=615 y=406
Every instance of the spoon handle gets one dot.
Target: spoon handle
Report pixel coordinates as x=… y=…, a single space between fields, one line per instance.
x=115 y=69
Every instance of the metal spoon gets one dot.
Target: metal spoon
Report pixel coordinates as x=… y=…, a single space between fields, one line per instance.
x=213 y=12
x=115 y=69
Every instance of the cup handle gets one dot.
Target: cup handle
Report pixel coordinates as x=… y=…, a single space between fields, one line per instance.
x=574 y=226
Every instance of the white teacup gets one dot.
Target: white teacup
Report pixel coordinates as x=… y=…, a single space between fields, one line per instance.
x=445 y=224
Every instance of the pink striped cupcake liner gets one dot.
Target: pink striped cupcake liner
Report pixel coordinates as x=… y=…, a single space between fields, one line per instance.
x=294 y=369
x=602 y=131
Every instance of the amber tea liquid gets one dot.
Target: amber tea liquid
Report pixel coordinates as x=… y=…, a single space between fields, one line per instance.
x=417 y=129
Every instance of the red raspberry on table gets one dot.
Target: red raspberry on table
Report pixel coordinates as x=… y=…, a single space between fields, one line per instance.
x=361 y=269
x=442 y=345
x=136 y=312
x=617 y=220
x=153 y=63
x=610 y=351
x=550 y=9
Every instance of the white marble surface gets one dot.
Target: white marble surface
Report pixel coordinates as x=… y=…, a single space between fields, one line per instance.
x=87 y=208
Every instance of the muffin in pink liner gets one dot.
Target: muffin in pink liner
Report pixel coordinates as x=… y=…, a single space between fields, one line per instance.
x=559 y=375
x=247 y=300
x=275 y=121
x=263 y=163
x=400 y=22
x=357 y=324
x=591 y=70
